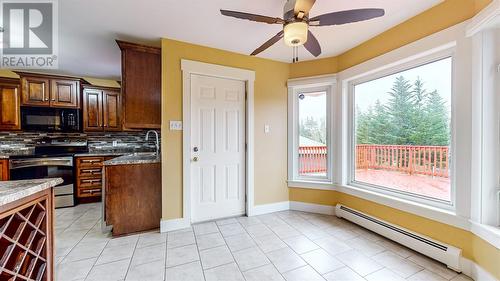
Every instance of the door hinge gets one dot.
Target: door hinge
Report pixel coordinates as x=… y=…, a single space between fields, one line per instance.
x=246 y=95
x=246 y=147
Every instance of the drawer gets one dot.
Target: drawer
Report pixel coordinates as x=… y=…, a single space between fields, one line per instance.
x=89 y=192
x=90 y=161
x=63 y=190
x=90 y=172
x=85 y=183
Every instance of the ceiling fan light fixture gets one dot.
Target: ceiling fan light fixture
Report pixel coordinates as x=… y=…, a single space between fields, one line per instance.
x=296 y=33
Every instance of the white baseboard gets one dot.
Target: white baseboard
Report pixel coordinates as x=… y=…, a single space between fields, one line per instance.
x=476 y=272
x=173 y=224
x=312 y=208
x=269 y=208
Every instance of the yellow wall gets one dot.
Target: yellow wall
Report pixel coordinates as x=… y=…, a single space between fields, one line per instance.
x=437 y=18
x=270 y=108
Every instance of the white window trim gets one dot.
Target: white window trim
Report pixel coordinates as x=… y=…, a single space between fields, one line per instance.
x=324 y=83
x=406 y=65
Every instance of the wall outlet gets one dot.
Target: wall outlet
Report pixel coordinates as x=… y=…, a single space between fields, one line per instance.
x=175 y=125
x=267 y=128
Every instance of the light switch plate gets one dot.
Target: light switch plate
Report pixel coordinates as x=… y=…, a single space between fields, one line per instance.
x=175 y=125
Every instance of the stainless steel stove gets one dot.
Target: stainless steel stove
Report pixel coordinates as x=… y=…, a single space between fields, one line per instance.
x=53 y=158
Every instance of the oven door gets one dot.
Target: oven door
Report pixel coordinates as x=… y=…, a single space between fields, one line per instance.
x=50 y=167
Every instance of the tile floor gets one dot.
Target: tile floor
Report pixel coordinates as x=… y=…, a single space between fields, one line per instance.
x=286 y=245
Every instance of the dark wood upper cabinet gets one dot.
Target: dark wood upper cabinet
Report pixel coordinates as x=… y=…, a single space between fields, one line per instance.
x=92 y=110
x=101 y=109
x=10 y=101
x=35 y=91
x=112 y=110
x=65 y=93
x=49 y=90
x=141 y=86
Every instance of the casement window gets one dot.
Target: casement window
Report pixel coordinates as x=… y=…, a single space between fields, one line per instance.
x=310 y=130
x=401 y=140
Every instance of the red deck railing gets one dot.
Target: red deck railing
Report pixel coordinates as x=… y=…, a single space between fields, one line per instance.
x=312 y=159
x=423 y=160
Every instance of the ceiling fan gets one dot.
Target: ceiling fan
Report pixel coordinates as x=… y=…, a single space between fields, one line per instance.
x=296 y=23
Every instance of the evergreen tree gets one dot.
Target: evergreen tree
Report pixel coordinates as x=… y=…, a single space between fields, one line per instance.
x=437 y=121
x=363 y=125
x=420 y=96
x=412 y=116
x=401 y=110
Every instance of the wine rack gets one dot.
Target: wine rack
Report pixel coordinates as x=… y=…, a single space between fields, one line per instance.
x=25 y=245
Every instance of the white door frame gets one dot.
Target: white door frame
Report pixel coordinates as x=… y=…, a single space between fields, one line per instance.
x=189 y=68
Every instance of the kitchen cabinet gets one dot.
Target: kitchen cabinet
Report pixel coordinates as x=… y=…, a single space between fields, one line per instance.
x=27 y=240
x=64 y=93
x=49 y=91
x=101 y=109
x=89 y=178
x=10 y=101
x=141 y=86
x=132 y=200
x=4 y=169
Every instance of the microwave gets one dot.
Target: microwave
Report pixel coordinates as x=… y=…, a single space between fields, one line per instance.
x=50 y=119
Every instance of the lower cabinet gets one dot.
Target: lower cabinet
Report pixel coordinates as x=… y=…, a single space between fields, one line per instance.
x=89 y=178
x=4 y=169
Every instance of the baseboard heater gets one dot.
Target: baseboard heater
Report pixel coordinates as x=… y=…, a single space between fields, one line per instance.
x=444 y=253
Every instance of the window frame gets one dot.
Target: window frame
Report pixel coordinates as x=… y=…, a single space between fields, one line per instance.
x=325 y=84
x=411 y=63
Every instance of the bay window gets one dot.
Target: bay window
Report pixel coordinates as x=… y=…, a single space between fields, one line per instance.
x=401 y=131
x=310 y=122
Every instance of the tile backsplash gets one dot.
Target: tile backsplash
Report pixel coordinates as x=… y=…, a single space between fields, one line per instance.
x=24 y=142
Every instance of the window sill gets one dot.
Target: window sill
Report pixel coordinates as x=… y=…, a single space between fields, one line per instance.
x=488 y=233
x=322 y=185
x=427 y=211
x=441 y=215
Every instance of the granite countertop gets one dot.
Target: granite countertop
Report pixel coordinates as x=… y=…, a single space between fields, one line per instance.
x=135 y=158
x=11 y=191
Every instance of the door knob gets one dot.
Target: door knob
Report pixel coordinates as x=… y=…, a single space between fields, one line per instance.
x=195 y=159
x=195 y=149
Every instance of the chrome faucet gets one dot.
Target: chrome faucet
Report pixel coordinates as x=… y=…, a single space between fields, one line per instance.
x=157 y=140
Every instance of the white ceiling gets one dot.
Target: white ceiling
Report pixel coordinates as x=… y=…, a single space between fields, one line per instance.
x=88 y=28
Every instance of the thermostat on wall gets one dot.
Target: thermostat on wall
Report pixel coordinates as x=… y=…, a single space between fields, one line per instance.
x=175 y=125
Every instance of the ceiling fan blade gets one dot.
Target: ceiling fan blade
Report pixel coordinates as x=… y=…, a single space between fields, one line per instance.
x=312 y=44
x=252 y=17
x=268 y=44
x=343 y=17
x=303 y=6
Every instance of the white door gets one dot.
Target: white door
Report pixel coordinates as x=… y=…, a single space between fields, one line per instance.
x=217 y=148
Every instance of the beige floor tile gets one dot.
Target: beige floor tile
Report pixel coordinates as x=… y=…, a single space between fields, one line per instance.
x=305 y=273
x=70 y=271
x=215 y=257
x=285 y=259
x=426 y=275
x=384 y=275
x=250 y=258
x=343 y=274
x=239 y=242
x=208 y=241
x=397 y=264
x=321 y=261
x=153 y=271
x=186 y=272
x=266 y=272
x=114 y=271
x=358 y=262
x=228 y=272
x=182 y=255
x=301 y=244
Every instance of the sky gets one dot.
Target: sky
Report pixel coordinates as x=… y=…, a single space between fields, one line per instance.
x=436 y=76
x=313 y=105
